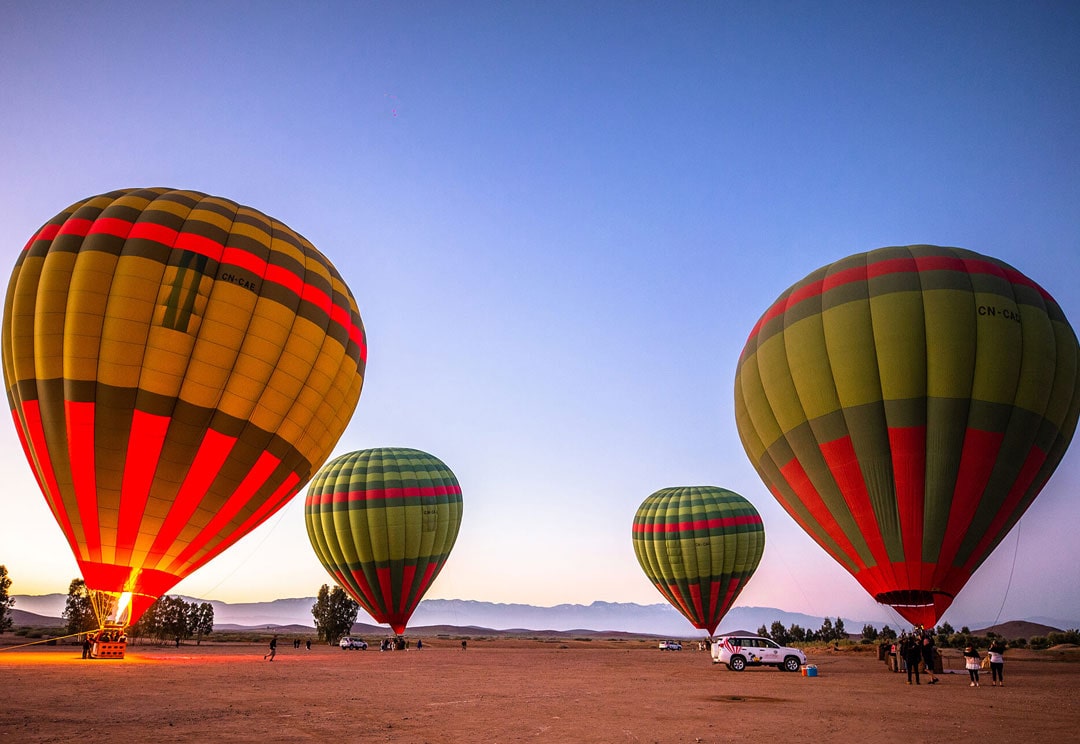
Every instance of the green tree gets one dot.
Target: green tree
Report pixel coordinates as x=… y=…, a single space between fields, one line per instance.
x=334 y=612
x=200 y=620
x=869 y=633
x=887 y=633
x=763 y=632
x=826 y=631
x=839 y=634
x=174 y=618
x=779 y=633
x=79 y=608
x=797 y=633
x=6 y=602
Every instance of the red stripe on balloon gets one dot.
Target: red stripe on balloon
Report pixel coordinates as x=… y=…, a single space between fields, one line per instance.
x=796 y=477
x=144 y=448
x=216 y=251
x=908 y=448
x=79 y=420
x=247 y=489
x=200 y=244
x=977 y=458
x=110 y=226
x=377 y=494
x=47 y=232
x=367 y=596
x=842 y=462
x=700 y=524
x=896 y=266
x=699 y=620
x=153 y=232
x=1024 y=480
x=213 y=450
x=75 y=226
x=282 y=494
x=35 y=436
x=671 y=591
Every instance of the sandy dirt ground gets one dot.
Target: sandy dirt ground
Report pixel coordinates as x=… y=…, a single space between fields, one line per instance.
x=515 y=690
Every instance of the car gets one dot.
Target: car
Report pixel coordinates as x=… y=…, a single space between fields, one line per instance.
x=348 y=643
x=670 y=646
x=739 y=652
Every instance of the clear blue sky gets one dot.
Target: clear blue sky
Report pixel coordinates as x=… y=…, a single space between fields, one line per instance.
x=560 y=222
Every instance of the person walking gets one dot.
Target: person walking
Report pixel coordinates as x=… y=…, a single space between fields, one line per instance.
x=996 y=652
x=972 y=660
x=273 y=649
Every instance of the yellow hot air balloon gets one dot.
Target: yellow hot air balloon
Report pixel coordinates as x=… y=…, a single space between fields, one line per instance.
x=178 y=366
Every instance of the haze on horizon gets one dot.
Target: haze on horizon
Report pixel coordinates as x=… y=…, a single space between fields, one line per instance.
x=560 y=225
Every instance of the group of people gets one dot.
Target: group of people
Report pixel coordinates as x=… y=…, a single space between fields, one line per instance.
x=273 y=647
x=918 y=653
x=917 y=650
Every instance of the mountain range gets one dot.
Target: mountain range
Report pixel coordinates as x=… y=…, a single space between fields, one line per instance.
x=627 y=617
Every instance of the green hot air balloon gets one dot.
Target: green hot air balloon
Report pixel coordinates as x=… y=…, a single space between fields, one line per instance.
x=383 y=522
x=699 y=545
x=905 y=406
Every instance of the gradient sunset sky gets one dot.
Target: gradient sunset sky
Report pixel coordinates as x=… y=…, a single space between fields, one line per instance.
x=560 y=221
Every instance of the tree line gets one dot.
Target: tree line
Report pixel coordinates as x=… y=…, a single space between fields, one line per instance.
x=829 y=632
x=167 y=619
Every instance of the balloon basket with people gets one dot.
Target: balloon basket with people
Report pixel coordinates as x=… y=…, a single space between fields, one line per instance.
x=109 y=642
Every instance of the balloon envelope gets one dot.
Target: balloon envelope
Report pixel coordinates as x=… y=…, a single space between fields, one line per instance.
x=905 y=406
x=383 y=522
x=177 y=366
x=699 y=546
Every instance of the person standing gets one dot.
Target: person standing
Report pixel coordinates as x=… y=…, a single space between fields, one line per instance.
x=912 y=656
x=86 y=646
x=971 y=663
x=996 y=652
x=928 y=656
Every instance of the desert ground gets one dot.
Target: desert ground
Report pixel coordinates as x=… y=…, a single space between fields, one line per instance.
x=507 y=690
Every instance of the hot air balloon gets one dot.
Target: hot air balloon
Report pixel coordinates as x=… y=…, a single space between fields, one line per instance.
x=177 y=366
x=905 y=406
x=383 y=521
x=699 y=545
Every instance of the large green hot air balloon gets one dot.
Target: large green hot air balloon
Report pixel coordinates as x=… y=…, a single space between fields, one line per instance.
x=699 y=545
x=905 y=406
x=177 y=366
x=383 y=522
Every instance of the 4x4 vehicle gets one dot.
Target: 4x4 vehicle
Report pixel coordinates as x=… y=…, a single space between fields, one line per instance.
x=670 y=646
x=739 y=652
x=350 y=644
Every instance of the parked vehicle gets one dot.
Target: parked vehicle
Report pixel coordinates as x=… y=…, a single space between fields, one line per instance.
x=739 y=652
x=349 y=643
x=670 y=646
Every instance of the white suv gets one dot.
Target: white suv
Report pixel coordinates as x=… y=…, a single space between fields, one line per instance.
x=739 y=652
x=350 y=644
x=670 y=646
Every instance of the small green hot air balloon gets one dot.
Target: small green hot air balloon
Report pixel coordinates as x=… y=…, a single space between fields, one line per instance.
x=383 y=522
x=699 y=545
x=905 y=406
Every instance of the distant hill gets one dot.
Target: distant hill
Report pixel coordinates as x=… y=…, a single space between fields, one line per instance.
x=1018 y=629
x=606 y=617
x=21 y=618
